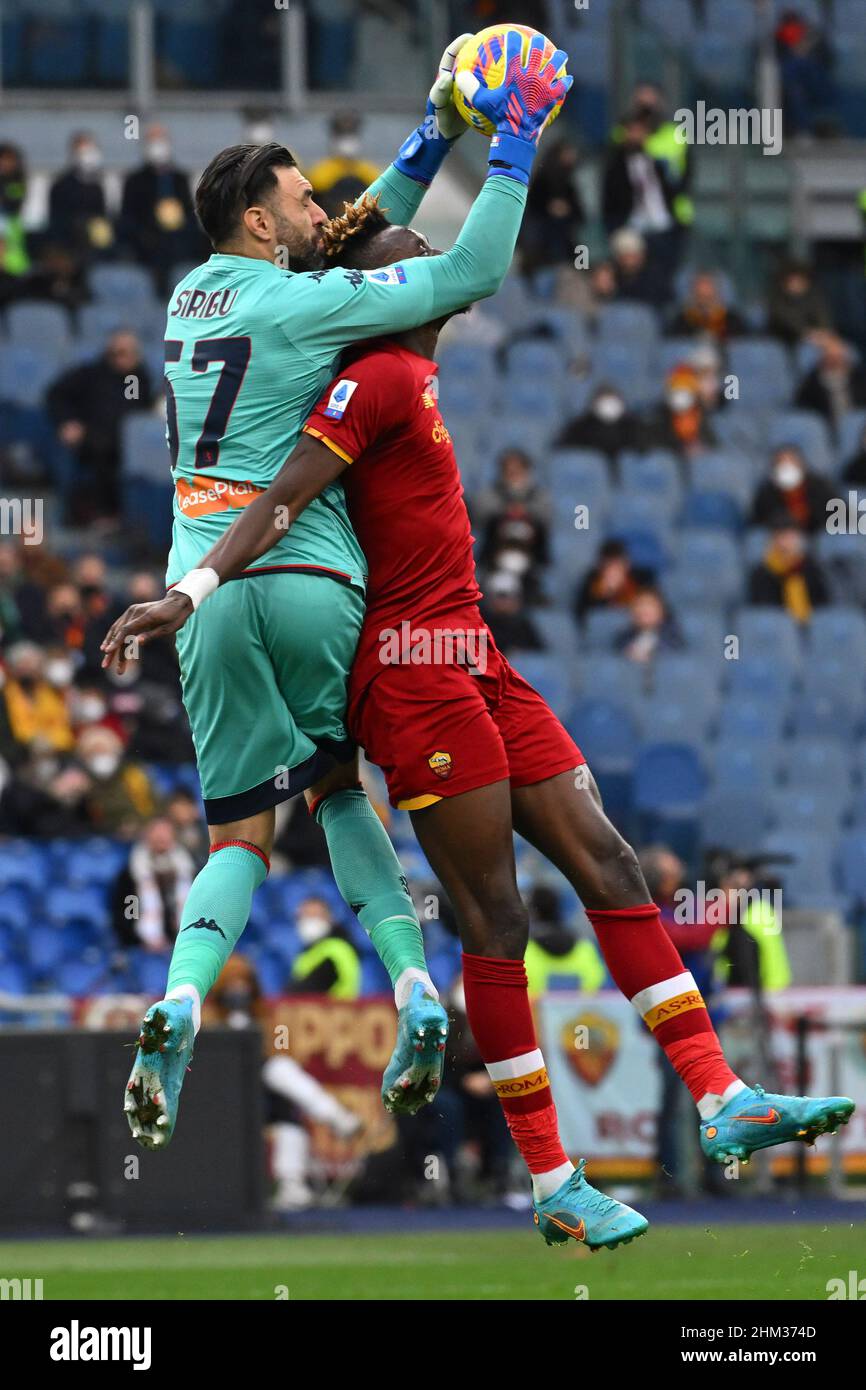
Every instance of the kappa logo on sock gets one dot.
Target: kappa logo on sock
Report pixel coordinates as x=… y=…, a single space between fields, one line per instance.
x=204 y=924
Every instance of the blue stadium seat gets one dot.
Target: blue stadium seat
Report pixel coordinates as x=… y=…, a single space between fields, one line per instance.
x=711 y=561
x=603 y=626
x=81 y=977
x=761 y=675
x=122 y=284
x=810 y=434
x=41 y=325
x=145 y=452
x=703 y=630
x=558 y=630
x=25 y=372
x=810 y=872
x=15 y=978
x=88 y=905
x=94 y=862
x=150 y=972
x=46 y=947
x=672 y=718
x=606 y=734
x=837 y=629
x=851 y=429
x=655 y=474
x=627 y=364
x=712 y=511
x=675 y=18
x=852 y=865
x=764 y=371
x=546 y=673
x=57 y=47
x=824 y=712
x=802 y=806
x=813 y=760
x=769 y=631
x=746 y=767
x=734 y=818
x=723 y=67
x=727 y=471
x=612 y=678
x=748 y=717
x=536 y=359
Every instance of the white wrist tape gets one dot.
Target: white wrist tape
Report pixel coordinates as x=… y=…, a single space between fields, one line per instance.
x=197 y=584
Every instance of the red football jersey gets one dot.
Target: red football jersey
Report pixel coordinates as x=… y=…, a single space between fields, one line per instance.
x=403 y=490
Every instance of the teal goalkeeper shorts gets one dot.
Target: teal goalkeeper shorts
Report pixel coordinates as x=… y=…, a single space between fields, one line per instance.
x=264 y=664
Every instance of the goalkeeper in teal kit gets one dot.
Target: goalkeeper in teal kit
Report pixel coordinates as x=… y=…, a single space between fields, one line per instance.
x=249 y=347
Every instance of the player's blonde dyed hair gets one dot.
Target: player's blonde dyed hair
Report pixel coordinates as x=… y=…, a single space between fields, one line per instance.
x=358 y=222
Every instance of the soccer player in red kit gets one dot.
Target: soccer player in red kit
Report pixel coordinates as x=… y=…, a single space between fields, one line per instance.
x=474 y=753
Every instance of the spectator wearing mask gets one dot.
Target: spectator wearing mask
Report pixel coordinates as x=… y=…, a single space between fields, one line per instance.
x=836 y=384
x=14 y=257
x=704 y=312
x=796 y=308
x=77 y=211
x=638 y=192
x=788 y=577
x=121 y=799
x=611 y=583
x=328 y=962
x=504 y=610
x=88 y=405
x=607 y=425
x=653 y=629
x=36 y=710
x=515 y=514
x=149 y=893
x=157 y=219
x=554 y=212
x=343 y=175
x=792 y=490
x=680 y=424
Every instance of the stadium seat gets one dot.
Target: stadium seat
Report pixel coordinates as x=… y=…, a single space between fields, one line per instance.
x=46 y=947
x=746 y=767
x=767 y=631
x=676 y=715
x=546 y=672
x=851 y=863
x=88 y=905
x=145 y=452
x=809 y=872
x=125 y=285
x=734 y=818
x=720 y=470
x=703 y=631
x=809 y=433
x=710 y=562
x=761 y=675
x=816 y=760
x=851 y=429
x=558 y=630
x=712 y=511
x=81 y=977
x=763 y=370
x=41 y=325
x=822 y=712
x=613 y=678
x=748 y=717
x=805 y=805
x=837 y=629
x=656 y=475
x=535 y=360
x=603 y=627
x=26 y=372
x=606 y=734
x=675 y=19
x=15 y=978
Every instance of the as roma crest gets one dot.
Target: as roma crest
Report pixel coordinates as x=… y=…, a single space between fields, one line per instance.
x=590 y=1042
x=440 y=763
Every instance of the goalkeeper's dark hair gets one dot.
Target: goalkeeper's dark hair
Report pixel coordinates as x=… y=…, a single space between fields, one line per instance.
x=346 y=239
x=237 y=178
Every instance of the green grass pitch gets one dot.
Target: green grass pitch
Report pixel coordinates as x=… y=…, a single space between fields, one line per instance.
x=674 y=1262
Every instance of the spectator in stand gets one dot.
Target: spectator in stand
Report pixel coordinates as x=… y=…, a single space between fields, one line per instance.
x=157 y=220
x=35 y=709
x=792 y=490
x=796 y=308
x=504 y=610
x=77 y=211
x=121 y=798
x=808 y=90
x=149 y=893
x=705 y=360
x=680 y=423
x=836 y=384
x=87 y=405
x=653 y=628
x=184 y=811
x=855 y=467
x=635 y=277
x=14 y=258
x=611 y=583
x=65 y=618
x=607 y=425
x=788 y=577
x=45 y=799
x=638 y=192
x=704 y=312
x=554 y=212
x=515 y=515
x=343 y=175
x=328 y=962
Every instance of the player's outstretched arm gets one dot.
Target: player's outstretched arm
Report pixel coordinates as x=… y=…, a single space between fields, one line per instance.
x=403 y=184
x=308 y=470
x=328 y=310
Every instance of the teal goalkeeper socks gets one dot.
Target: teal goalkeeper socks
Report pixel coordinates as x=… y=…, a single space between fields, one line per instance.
x=368 y=875
x=214 y=916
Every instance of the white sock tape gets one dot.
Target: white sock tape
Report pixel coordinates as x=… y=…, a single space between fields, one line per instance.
x=197 y=584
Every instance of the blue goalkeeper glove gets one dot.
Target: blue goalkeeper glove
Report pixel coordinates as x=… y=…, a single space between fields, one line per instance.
x=421 y=155
x=521 y=105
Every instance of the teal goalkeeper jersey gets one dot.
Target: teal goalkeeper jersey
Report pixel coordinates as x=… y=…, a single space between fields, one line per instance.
x=249 y=348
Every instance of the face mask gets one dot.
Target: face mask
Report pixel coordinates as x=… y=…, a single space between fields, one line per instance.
x=312 y=928
x=58 y=672
x=347 y=146
x=103 y=765
x=680 y=400
x=88 y=159
x=788 y=474
x=89 y=709
x=609 y=409
x=236 y=1000
x=158 y=151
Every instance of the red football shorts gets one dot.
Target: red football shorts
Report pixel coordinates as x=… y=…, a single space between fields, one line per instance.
x=439 y=727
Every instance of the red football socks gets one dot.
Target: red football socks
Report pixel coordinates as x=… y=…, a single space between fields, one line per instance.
x=497 y=1006
x=647 y=967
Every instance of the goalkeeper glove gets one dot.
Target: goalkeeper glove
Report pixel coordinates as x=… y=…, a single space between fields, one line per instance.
x=421 y=155
x=520 y=106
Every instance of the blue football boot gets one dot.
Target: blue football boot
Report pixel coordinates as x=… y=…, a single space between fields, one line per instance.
x=165 y=1047
x=578 y=1211
x=414 y=1073
x=755 y=1119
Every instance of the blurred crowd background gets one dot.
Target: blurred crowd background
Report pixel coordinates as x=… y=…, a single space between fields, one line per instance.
x=651 y=418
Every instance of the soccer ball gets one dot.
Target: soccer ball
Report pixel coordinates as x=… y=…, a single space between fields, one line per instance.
x=484 y=55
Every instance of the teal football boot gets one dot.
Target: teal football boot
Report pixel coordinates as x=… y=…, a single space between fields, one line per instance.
x=578 y=1211
x=165 y=1047
x=755 y=1119
x=414 y=1073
